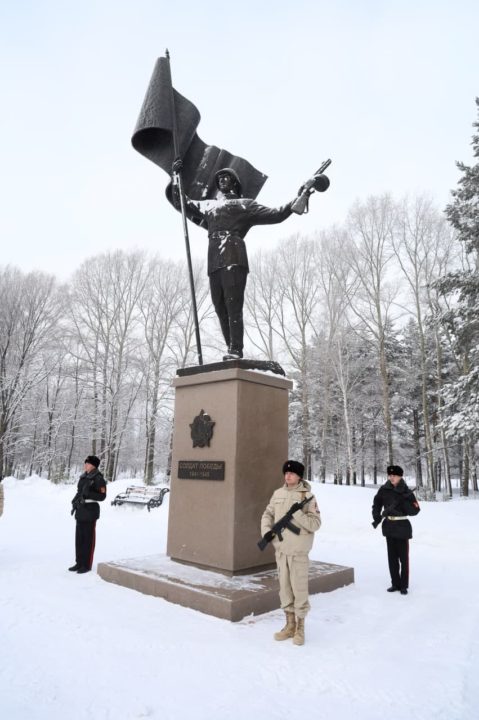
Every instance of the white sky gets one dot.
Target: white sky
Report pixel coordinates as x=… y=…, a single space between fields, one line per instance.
x=384 y=88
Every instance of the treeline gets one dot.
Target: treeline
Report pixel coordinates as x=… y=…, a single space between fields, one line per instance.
x=358 y=318
x=374 y=320
x=87 y=367
x=353 y=314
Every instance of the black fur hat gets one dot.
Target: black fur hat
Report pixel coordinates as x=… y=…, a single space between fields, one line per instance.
x=93 y=460
x=395 y=470
x=293 y=466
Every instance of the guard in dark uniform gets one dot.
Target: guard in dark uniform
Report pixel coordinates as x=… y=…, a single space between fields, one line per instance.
x=227 y=220
x=393 y=502
x=91 y=490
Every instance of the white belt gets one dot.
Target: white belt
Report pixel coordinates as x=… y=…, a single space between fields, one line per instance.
x=390 y=517
x=88 y=500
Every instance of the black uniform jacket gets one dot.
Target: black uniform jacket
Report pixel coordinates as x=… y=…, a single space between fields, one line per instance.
x=227 y=221
x=91 y=487
x=397 y=501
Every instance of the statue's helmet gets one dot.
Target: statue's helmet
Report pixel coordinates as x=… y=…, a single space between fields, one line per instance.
x=233 y=175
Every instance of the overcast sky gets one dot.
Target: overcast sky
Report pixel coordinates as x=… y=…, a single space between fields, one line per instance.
x=384 y=88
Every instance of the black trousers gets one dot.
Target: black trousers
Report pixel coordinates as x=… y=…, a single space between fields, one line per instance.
x=398 y=559
x=227 y=286
x=85 y=536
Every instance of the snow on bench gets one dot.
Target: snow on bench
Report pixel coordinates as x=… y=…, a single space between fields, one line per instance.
x=151 y=496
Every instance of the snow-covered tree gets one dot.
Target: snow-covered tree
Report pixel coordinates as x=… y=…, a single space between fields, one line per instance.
x=461 y=396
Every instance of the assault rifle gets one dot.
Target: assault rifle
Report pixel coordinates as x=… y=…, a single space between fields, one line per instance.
x=282 y=524
x=318 y=182
x=393 y=508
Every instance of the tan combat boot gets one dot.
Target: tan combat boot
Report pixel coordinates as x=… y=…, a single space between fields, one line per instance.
x=289 y=628
x=298 y=638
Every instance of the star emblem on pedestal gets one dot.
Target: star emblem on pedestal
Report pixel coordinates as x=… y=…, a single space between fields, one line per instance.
x=202 y=430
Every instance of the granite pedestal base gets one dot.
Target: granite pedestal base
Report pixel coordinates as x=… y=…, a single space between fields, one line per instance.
x=230 y=598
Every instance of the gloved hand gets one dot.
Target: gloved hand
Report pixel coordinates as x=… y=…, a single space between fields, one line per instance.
x=77 y=501
x=375 y=523
x=268 y=536
x=177 y=165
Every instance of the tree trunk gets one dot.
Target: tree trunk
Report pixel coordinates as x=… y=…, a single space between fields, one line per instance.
x=417 y=448
x=375 y=457
x=465 y=470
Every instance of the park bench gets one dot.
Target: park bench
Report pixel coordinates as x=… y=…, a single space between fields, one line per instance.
x=140 y=495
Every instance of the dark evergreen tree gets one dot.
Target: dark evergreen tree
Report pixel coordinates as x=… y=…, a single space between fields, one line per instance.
x=461 y=395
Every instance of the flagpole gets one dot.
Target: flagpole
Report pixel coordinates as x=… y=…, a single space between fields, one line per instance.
x=178 y=181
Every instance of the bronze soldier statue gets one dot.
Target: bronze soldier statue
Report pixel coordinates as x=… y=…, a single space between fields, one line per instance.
x=227 y=219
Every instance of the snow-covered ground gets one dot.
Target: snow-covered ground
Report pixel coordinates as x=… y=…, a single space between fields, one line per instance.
x=74 y=647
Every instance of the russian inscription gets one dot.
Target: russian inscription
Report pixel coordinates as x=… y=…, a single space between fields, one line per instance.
x=201 y=469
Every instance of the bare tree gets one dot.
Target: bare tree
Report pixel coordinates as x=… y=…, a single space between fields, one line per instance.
x=29 y=312
x=161 y=306
x=422 y=245
x=182 y=341
x=371 y=227
x=260 y=303
x=337 y=284
x=296 y=309
x=105 y=310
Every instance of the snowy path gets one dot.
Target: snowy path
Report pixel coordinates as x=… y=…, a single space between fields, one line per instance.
x=74 y=647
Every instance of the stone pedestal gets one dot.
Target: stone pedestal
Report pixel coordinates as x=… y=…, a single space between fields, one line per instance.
x=230 y=598
x=215 y=523
x=219 y=489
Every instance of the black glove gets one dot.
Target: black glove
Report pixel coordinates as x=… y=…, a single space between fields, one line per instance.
x=177 y=165
x=268 y=536
x=77 y=501
x=375 y=523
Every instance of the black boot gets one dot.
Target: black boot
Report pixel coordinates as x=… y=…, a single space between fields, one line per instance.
x=74 y=568
x=393 y=588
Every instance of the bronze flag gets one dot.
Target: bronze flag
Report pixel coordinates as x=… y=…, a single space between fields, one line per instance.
x=153 y=138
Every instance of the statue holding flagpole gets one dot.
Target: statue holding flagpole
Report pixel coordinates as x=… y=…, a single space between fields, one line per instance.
x=214 y=189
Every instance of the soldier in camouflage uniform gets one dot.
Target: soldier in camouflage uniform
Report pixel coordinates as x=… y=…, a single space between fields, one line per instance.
x=292 y=552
